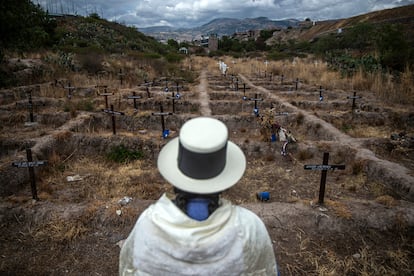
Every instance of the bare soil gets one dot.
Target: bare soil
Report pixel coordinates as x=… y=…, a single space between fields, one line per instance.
x=364 y=227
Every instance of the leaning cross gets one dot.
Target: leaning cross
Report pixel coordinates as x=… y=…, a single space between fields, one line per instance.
x=30 y=164
x=165 y=132
x=324 y=168
x=353 y=99
x=113 y=113
x=147 y=84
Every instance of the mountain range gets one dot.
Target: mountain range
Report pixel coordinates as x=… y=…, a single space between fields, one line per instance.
x=219 y=26
x=307 y=30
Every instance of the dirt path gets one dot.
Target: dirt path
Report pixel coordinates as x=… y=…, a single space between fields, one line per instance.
x=395 y=175
x=203 y=95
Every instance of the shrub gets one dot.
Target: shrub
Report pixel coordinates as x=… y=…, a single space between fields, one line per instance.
x=121 y=154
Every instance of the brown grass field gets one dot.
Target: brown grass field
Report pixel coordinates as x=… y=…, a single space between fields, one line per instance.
x=364 y=227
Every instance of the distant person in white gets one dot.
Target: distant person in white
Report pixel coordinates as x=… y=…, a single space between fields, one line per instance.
x=199 y=233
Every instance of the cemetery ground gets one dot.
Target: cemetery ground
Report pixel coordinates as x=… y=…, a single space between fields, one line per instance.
x=100 y=141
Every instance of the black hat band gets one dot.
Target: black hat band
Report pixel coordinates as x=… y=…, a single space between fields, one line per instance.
x=201 y=165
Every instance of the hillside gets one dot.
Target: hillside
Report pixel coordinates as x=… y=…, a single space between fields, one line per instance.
x=402 y=15
x=219 y=26
x=82 y=33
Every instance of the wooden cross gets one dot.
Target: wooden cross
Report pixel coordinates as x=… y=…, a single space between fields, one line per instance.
x=106 y=97
x=244 y=91
x=113 y=113
x=176 y=86
x=324 y=168
x=296 y=83
x=353 y=99
x=320 y=93
x=30 y=164
x=135 y=98
x=30 y=106
x=165 y=132
x=148 y=84
x=236 y=81
x=255 y=99
x=70 y=90
x=166 y=89
x=121 y=76
x=175 y=97
x=99 y=86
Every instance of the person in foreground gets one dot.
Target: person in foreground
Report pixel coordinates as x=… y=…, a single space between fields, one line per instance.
x=199 y=233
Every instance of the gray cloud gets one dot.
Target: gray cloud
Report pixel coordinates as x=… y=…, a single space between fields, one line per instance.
x=186 y=13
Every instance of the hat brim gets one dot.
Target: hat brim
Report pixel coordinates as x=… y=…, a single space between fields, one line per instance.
x=232 y=172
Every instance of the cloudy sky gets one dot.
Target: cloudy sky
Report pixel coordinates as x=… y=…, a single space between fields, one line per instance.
x=189 y=13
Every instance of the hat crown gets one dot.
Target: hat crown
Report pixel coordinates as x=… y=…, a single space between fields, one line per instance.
x=203 y=135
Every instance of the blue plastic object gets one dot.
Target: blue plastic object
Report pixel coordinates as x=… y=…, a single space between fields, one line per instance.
x=263 y=196
x=165 y=133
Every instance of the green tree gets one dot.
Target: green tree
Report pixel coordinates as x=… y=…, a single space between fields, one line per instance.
x=393 y=48
x=360 y=37
x=173 y=44
x=24 y=26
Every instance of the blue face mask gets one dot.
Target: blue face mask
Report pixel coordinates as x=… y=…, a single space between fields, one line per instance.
x=197 y=208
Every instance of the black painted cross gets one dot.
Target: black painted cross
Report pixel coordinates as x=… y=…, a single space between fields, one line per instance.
x=296 y=83
x=166 y=88
x=271 y=76
x=113 y=113
x=30 y=106
x=255 y=99
x=175 y=97
x=135 y=98
x=106 y=95
x=244 y=91
x=147 y=85
x=353 y=99
x=30 y=164
x=320 y=93
x=165 y=132
x=121 y=76
x=324 y=168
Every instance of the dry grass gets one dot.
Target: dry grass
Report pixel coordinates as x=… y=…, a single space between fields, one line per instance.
x=59 y=230
x=386 y=200
x=317 y=259
x=339 y=209
x=317 y=73
x=102 y=180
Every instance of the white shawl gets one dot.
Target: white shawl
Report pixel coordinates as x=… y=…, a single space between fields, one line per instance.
x=165 y=241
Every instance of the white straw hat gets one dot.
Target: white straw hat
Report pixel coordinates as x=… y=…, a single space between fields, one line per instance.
x=202 y=160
